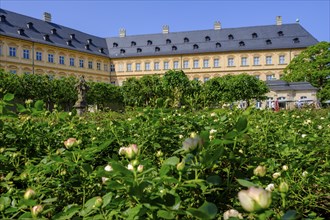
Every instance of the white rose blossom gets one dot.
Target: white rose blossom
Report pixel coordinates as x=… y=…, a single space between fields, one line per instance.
x=270 y=187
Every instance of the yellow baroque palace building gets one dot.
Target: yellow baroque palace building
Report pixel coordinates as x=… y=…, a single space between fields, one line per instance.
x=38 y=46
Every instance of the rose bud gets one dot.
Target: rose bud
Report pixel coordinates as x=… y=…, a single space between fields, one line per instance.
x=140 y=168
x=29 y=193
x=98 y=202
x=36 y=210
x=260 y=171
x=284 y=187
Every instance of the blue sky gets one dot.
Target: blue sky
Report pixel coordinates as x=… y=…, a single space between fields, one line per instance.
x=105 y=18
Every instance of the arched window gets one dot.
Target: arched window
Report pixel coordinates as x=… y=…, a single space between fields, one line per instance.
x=268 y=42
x=149 y=42
x=133 y=43
x=207 y=38
x=254 y=35
x=230 y=37
x=241 y=44
x=280 y=33
x=122 y=51
x=186 y=40
x=138 y=50
x=174 y=48
x=196 y=46
x=115 y=45
x=157 y=49
x=218 y=45
x=168 y=41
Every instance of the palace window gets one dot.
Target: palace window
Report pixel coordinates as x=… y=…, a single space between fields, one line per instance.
x=71 y=61
x=51 y=58
x=168 y=41
x=241 y=44
x=166 y=66
x=268 y=42
x=244 y=61
x=254 y=35
x=206 y=63
x=281 y=59
x=196 y=46
x=269 y=60
x=98 y=66
x=186 y=40
x=174 y=48
x=137 y=66
x=156 y=66
x=206 y=79
x=90 y=64
x=26 y=54
x=147 y=66
x=133 y=43
x=270 y=77
x=114 y=45
x=61 y=60
x=185 y=64
x=296 y=40
x=196 y=64
x=149 y=42
x=112 y=67
x=157 y=49
x=256 y=61
x=216 y=63
x=207 y=38
x=129 y=67
x=230 y=61
x=230 y=37
x=81 y=63
x=138 y=50
x=12 y=51
x=218 y=45
x=176 y=64
x=280 y=34
x=105 y=67
x=39 y=56
x=122 y=51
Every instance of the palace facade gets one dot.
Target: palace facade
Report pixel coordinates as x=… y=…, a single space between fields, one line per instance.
x=38 y=46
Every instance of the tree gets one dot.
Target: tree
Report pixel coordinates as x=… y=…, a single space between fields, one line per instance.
x=311 y=65
x=175 y=84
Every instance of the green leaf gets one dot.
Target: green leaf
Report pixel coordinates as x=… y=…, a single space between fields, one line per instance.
x=132 y=212
x=8 y=97
x=290 y=215
x=207 y=211
x=165 y=214
x=215 y=180
x=241 y=124
x=67 y=214
x=21 y=108
x=246 y=183
x=9 y=176
x=50 y=200
x=172 y=161
x=5 y=201
x=39 y=105
x=107 y=199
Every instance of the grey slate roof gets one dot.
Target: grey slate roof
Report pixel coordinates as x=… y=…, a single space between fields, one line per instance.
x=242 y=34
x=15 y=21
x=280 y=85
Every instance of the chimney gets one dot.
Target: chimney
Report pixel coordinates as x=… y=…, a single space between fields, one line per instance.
x=20 y=31
x=278 y=20
x=122 y=32
x=29 y=25
x=166 y=29
x=217 y=25
x=2 y=18
x=47 y=17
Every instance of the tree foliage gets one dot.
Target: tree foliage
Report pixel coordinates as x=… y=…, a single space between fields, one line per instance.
x=311 y=65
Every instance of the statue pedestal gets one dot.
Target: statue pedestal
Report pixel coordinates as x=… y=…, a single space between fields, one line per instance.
x=80 y=107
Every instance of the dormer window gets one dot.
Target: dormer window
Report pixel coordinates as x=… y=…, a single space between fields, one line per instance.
x=114 y=45
x=46 y=37
x=72 y=36
x=138 y=50
x=53 y=31
x=174 y=48
x=268 y=42
x=241 y=44
x=280 y=33
x=149 y=42
x=230 y=37
x=217 y=45
x=254 y=35
x=29 y=25
x=196 y=46
x=207 y=38
x=101 y=50
x=69 y=42
x=296 y=40
x=122 y=51
x=168 y=41
x=157 y=49
x=133 y=43
x=87 y=46
x=186 y=40
x=89 y=41
x=2 y=18
x=20 y=31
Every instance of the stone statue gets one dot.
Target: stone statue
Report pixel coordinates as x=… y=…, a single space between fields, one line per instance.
x=82 y=89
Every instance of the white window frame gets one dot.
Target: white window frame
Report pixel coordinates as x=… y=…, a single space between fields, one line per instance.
x=231 y=61
x=196 y=64
x=26 y=54
x=206 y=63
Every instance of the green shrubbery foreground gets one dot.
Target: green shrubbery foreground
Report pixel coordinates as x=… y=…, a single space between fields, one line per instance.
x=163 y=164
